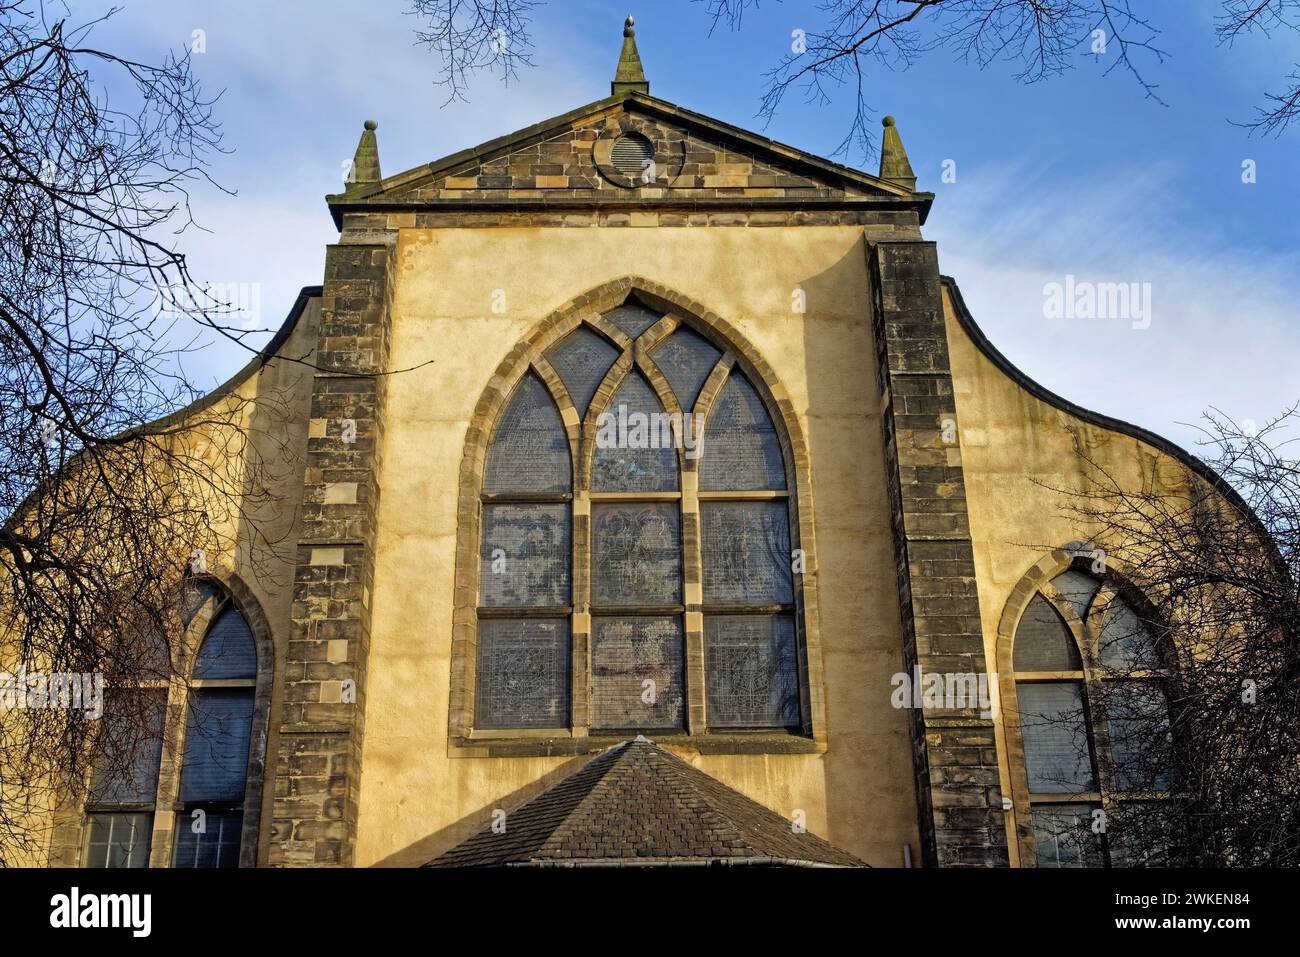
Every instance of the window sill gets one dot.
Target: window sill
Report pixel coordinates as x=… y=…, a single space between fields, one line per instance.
x=530 y=744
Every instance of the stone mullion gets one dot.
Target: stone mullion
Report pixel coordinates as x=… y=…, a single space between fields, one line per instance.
x=955 y=751
x=318 y=767
x=580 y=625
x=693 y=598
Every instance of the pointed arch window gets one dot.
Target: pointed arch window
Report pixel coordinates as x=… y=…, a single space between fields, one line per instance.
x=197 y=814
x=1088 y=718
x=218 y=730
x=643 y=581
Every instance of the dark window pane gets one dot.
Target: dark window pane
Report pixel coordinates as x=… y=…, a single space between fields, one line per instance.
x=636 y=673
x=1077 y=589
x=633 y=319
x=1053 y=727
x=216 y=745
x=636 y=444
x=1043 y=642
x=752 y=672
x=194 y=595
x=526 y=556
x=129 y=748
x=741 y=449
x=529 y=450
x=210 y=839
x=228 y=651
x=1126 y=643
x=636 y=554
x=582 y=360
x=746 y=553
x=686 y=358
x=522 y=673
x=1137 y=714
x=119 y=840
x=1064 y=836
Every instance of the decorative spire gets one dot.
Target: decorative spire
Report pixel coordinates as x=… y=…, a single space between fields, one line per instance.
x=894 y=167
x=629 y=77
x=365 y=165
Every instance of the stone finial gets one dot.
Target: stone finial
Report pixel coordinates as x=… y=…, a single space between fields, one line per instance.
x=629 y=77
x=894 y=165
x=365 y=164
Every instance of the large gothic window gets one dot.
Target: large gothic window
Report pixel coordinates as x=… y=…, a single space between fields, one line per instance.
x=1092 y=723
x=635 y=567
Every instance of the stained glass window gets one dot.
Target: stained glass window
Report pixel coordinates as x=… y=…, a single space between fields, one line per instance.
x=214 y=764
x=1077 y=589
x=529 y=450
x=636 y=450
x=229 y=651
x=686 y=359
x=636 y=673
x=636 y=551
x=746 y=548
x=216 y=745
x=523 y=673
x=582 y=360
x=1055 y=730
x=633 y=319
x=526 y=555
x=632 y=538
x=741 y=449
x=751 y=671
x=1125 y=642
x=124 y=783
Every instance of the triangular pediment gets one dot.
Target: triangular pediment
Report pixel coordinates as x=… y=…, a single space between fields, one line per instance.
x=629 y=147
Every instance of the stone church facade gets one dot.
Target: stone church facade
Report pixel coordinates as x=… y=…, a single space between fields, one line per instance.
x=495 y=615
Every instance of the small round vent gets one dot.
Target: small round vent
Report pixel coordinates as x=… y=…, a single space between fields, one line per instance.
x=632 y=155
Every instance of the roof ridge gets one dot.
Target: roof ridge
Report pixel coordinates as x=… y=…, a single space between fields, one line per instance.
x=639 y=802
x=599 y=787
x=663 y=771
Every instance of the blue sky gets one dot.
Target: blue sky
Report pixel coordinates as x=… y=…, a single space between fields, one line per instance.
x=1078 y=176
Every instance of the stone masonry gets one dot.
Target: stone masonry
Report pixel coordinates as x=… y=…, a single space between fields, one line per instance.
x=318 y=768
x=955 y=752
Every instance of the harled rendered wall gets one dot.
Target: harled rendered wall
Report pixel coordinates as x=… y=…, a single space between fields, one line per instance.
x=418 y=796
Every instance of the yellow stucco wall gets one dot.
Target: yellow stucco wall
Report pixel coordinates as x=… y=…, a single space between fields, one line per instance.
x=416 y=800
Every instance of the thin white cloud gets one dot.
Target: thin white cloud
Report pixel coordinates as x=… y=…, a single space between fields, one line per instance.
x=296 y=89
x=1223 y=320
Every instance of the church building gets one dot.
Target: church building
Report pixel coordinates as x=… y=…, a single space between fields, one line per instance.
x=657 y=500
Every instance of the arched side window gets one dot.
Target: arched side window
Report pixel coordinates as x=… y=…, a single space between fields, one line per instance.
x=1086 y=717
x=218 y=729
x=123 y=795
x=196 y=804
x=637 y=539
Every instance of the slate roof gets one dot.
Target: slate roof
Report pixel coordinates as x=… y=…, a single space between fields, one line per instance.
x=638 y=804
